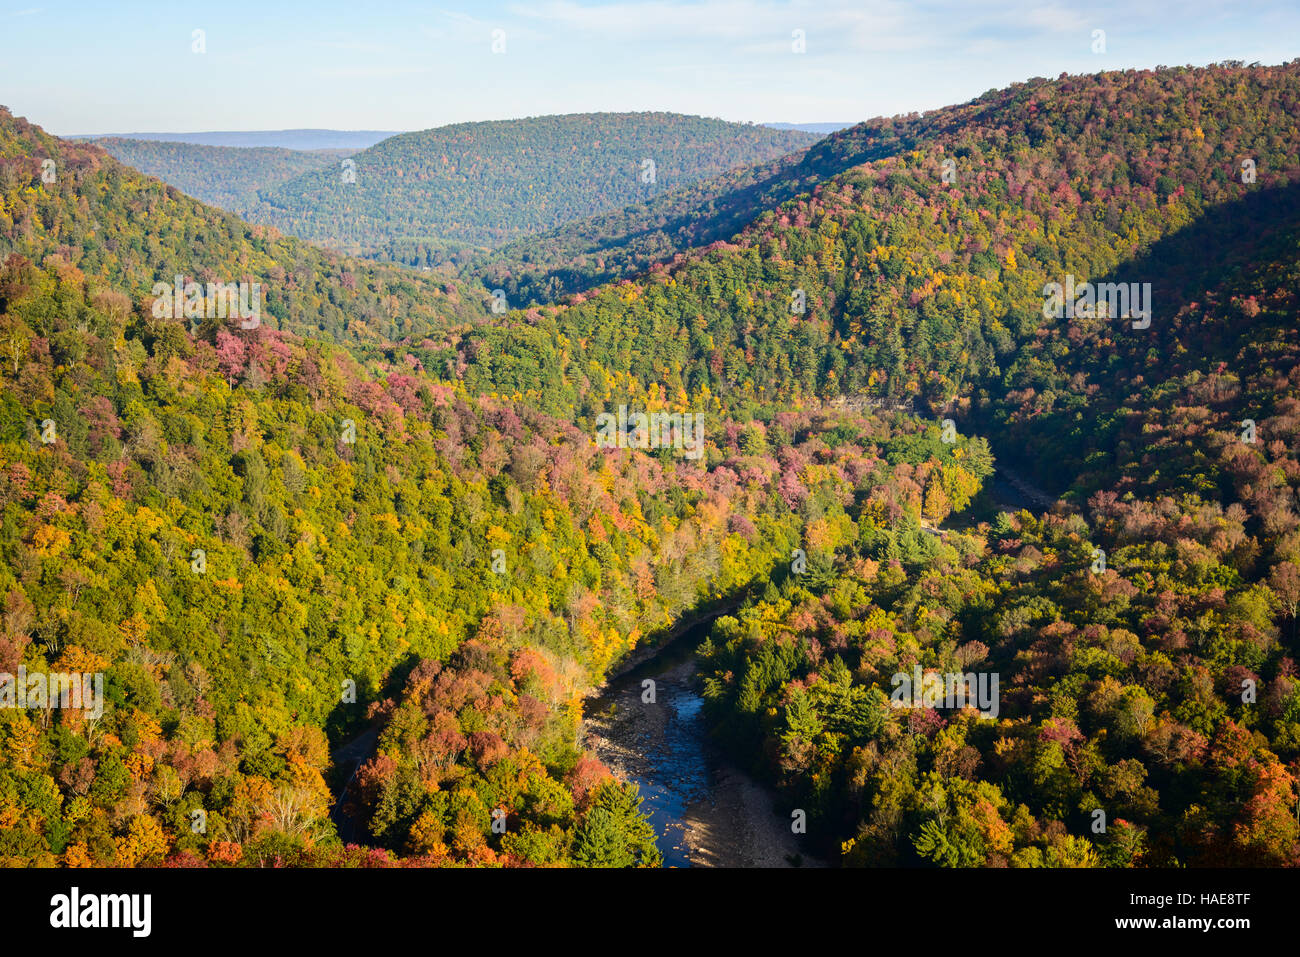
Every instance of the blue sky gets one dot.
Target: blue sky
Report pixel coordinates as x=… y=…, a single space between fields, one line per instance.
x=85 y=67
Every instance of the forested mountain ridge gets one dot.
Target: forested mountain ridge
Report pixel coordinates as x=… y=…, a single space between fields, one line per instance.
x=914 y=289
x=131 y=231
x=481 y=184
x=228 y=177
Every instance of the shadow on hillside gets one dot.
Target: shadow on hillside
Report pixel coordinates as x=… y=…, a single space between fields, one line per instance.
x=1216 y=253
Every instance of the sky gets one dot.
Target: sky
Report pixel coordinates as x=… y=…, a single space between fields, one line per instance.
x=103 y=67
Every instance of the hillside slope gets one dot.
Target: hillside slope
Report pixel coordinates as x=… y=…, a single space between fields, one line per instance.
x=128 y=231
x=1144 y=636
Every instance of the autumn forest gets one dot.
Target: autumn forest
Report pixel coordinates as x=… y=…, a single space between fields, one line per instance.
x=519 y=407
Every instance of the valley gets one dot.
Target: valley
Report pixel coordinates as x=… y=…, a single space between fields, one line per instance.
x=705 y=811
x=377 y=579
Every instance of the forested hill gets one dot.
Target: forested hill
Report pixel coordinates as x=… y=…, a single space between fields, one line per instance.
x=226 y=176
x=482 y=184
x=622 y=243
x=127 y=231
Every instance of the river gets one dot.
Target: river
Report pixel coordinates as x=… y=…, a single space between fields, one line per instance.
x=705 y=811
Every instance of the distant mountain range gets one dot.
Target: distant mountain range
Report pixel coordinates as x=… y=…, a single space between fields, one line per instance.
x=337 y=139
x=285 y=139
